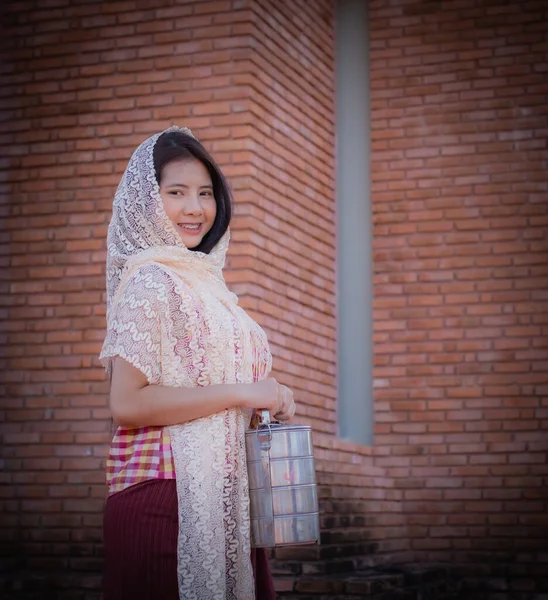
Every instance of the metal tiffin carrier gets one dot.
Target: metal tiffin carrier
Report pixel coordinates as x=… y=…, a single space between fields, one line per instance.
x=282 y=484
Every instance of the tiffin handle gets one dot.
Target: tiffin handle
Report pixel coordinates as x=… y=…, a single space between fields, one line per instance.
x=265 y=417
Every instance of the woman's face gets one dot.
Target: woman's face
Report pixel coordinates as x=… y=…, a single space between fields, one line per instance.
x=187 y=194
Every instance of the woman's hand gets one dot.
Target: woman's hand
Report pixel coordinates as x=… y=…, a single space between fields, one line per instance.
x=287 y=408
x=269 y=395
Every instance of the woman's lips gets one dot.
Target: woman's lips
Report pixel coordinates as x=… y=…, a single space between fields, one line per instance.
x=190 y=228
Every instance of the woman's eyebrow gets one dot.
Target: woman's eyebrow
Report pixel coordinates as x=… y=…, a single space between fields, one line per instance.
x=175 y=184
x=184 y=185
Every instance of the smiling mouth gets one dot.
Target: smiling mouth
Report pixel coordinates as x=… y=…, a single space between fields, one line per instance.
x=192 y=228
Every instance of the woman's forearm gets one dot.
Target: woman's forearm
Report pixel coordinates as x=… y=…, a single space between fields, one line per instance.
x=157 y=405
x=135 y=403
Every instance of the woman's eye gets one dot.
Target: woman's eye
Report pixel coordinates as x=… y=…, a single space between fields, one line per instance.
x=207 y=194
x=176 y=193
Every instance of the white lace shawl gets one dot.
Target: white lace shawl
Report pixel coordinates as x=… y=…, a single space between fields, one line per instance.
x=170 y=314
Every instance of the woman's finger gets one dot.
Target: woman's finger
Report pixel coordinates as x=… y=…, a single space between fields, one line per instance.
x=280 y=398
x=287 y=408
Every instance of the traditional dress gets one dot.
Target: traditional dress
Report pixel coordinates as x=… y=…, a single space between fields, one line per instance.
x=171 y=316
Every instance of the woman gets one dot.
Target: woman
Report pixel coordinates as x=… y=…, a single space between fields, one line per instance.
x=189 y=368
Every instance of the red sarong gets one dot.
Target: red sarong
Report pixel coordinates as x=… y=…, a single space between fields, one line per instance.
x=140 y=537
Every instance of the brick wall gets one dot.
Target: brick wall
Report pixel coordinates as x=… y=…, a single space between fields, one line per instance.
x=459 y=195
x=460 y=203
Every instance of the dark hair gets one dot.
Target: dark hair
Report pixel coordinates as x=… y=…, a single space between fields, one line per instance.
x=176 y=145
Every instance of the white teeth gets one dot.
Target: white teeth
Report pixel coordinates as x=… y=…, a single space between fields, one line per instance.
x=192 y=227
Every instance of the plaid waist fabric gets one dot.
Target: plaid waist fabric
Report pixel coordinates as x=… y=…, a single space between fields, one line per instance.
x=138 y=455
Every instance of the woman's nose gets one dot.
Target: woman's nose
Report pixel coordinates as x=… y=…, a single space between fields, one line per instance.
x=192 y=206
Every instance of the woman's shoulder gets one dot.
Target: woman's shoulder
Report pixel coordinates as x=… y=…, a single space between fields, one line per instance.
x=153 y=275
x=151 y=272
x=159 y=279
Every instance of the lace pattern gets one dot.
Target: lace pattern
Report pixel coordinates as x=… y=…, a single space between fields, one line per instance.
x=171 y=315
